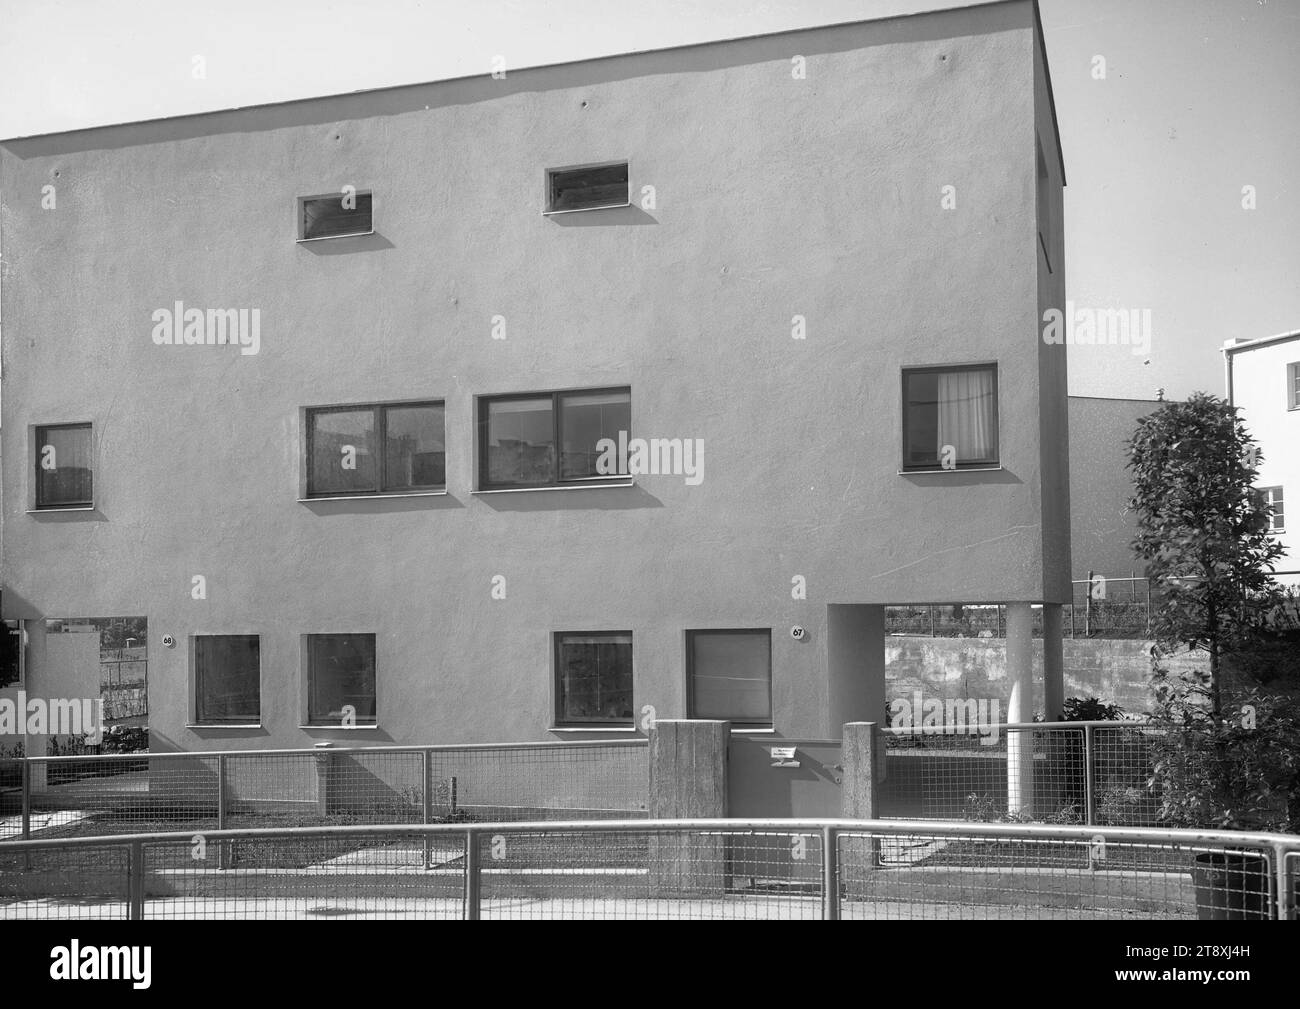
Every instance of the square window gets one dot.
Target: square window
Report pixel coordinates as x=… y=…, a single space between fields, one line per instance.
x=587 y=187
x=593 y=678
x=340 y=679
x=350 y=448
x=519 y=436
x=227 y=679
x=64 y=472
x=729 y=675
x=950 y=417
x=335 y=216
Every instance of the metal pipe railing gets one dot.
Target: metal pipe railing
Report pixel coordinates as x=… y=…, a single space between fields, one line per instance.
x=1282 y=850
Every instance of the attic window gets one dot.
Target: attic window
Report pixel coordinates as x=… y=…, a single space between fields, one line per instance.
x=335 y=216
x=586 y=187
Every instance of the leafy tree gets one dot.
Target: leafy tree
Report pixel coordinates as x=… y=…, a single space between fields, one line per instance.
x=1204 y=533
x=1230 y=753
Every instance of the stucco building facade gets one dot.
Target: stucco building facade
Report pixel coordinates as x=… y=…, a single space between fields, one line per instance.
x=370 y=508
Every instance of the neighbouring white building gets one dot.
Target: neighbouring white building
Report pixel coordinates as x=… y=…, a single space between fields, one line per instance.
x=1263 y=379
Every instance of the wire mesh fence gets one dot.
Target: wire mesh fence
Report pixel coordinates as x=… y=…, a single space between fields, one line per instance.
x=1098 y=773
x=100 y=795
x=642 y=869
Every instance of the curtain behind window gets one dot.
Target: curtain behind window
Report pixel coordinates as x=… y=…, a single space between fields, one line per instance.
x=967 y=414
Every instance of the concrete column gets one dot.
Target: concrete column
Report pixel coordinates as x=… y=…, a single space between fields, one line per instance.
x=864 y=770
x=1020 y=708
x=855 y=664
x=1053 y=663
x=688 y=779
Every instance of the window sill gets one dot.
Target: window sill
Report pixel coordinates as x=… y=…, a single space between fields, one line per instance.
x=584 y=210
x=755 y=732
x=940 y=469
x=70 y=508
x=341 y=728
x=331 y=238
x=549 y=487
x=223 y=725
x=592 y=728
x=371 y=497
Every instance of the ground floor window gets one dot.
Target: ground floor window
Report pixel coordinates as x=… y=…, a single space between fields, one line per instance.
x=227 y=679
x=340 y=679
x=593 y=678
x=729 y=675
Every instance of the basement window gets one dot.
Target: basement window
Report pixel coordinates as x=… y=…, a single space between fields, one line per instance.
x=335 y=215
x=587 y=187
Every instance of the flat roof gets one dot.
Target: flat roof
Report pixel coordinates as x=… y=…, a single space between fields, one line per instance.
x=893 y=9
x=1232 y=346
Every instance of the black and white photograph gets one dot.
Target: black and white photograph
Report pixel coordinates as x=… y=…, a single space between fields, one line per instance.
x=709 y=460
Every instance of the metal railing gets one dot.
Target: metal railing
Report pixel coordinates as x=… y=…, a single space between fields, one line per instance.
x=629 y=869
x=121 y=793
x=1099 y=607
x=1093 y=772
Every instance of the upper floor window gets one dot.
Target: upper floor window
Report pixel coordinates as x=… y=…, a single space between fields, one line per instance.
x=335 y=215
x=1272 y=498
x=1293 y=386
x=587 y=187
x=593 y=678
x=64 y=472
x=395 y=448
x=950 y=417
x=549 y=439
x=729 y=675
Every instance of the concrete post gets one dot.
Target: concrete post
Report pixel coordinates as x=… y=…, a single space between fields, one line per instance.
x=864 y=769
x=688 y=778
x=1053 y=663
x=324 y=774
x=1020 y=708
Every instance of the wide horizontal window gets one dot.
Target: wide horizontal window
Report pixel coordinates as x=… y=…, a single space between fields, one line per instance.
x=593 y=678
x=64 y=474
x=227 y=679
x=548 y=439
x=729 y=675
x=340 y=679
x=588 y=187
x=382 y=449
x=335 y=216
x=950 y=417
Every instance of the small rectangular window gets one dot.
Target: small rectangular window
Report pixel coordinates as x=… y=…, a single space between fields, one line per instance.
x=376 y=449
x=227 y=679
x=593 y=678
x=729 y=675
x=587 y=187
x=1271 y=497
x=64 y=472
x=335 y=216
x=950 y=417
x=1293 y=386
x=340 y=679
x=549 y=439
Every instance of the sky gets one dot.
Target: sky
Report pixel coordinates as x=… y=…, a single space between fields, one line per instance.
x=1182 y=142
